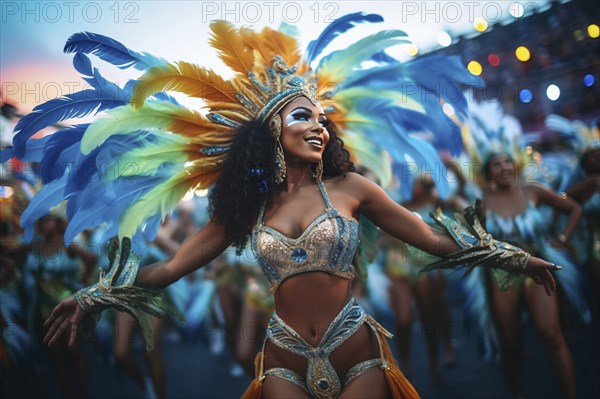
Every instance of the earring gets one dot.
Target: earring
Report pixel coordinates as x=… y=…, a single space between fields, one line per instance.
x=318 y=175
x=275 y=125
x=279 y=164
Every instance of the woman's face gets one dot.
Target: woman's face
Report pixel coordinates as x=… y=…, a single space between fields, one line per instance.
x=48 y=225
x=303 y=134
x=501 y=170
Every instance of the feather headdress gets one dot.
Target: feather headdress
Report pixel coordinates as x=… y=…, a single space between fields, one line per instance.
x=139 y=159
x=489 y=131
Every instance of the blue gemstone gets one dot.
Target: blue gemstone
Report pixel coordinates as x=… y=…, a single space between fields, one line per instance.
x=323 y=385
x=299 y=255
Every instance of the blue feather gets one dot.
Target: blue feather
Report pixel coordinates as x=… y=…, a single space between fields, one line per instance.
x=151 y=228
x=337 y=27
x=383 y=58
x=84 y=172
x=74 y=105
x=98 y=82
x=110 y=50
x=58 y=152
x=49 y=195
x=6 y=154
x=95 y=210
x=164 y=96
x=82 y=64
x=34 y=149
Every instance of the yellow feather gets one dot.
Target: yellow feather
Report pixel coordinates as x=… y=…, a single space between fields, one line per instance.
x=283 y=45
x=232 y=51
x=184 y=77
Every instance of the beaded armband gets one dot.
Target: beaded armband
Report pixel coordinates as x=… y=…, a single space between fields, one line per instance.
x=478 y=246
x=116 y=289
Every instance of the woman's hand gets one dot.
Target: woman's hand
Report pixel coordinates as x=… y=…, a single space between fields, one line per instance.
x=66 y=315
x=539 y=270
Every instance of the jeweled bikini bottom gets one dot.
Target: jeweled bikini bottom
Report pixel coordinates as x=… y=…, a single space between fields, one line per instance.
x=321 y=380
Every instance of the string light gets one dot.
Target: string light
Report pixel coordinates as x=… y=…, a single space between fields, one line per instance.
x=593 y=31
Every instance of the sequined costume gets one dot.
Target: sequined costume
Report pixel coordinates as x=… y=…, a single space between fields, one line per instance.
x=327 y=245
x=529 y=227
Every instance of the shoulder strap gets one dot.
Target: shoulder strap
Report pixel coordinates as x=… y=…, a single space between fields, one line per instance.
x=325 y=195
x=261 y=214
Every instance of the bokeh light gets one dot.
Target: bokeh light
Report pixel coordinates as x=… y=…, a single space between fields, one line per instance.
x=448 y=110
x=480 y=24
x=593 y=31
x=516 y=10
x=443 y=38
x=553 y=92
x=526 y=96
x=589 y=80
x=493 y=60
x=475 y=68
x=411 y=49
x=522 y=53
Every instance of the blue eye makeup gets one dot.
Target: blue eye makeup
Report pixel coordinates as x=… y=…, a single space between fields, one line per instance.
x=302 y=115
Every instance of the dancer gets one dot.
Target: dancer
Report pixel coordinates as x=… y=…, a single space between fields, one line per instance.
x=511 y=206
x=283 y=177
x=403 y=264
x=54 y=269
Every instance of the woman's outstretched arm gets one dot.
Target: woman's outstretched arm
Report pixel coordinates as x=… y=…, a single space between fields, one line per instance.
x=196 y=252
x=408 y=227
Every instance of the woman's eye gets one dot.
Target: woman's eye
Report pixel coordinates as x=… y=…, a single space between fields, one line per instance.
x=302 y=116
x=324 y=122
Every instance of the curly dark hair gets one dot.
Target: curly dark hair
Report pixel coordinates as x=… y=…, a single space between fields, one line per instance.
x=247 y=179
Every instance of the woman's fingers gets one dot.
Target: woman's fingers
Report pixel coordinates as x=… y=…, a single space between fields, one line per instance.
x=58 y=321
x=55 y=313
x=61 y=328
x=73 y=334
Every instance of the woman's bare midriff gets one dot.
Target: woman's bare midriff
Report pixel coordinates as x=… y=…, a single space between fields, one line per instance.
x=308 y=302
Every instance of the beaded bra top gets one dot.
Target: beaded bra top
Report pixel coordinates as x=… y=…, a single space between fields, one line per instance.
x=327 y=245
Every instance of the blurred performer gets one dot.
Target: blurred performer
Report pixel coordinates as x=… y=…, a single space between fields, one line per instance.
x=54 y=272
x=512 y=213
x=403 y=263
x=584 y=187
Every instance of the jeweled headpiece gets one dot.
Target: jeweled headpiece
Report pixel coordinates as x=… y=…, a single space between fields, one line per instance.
x=148 y=150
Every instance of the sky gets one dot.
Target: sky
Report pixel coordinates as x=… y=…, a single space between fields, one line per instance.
x=33 y=68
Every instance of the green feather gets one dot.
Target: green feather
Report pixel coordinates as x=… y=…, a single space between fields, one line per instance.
x=161 y=199
x=148 y=159
x=125 y=120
